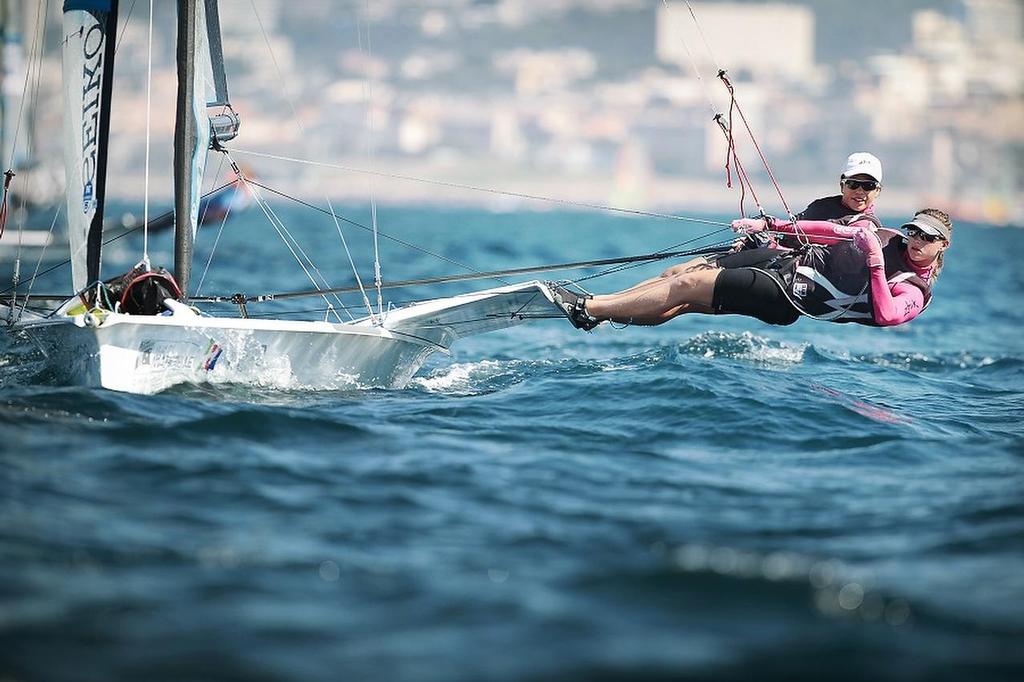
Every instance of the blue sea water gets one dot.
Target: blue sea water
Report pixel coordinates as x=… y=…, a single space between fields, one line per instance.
x=712 y=498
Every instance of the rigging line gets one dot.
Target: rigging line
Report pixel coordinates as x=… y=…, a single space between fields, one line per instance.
x=40 y=37
x=223 y=222
x=107 y=241
x=457 y=185
x=34 y=64
x=453 y=278
x=701 y=251
x=41 y=32
x=37 y=85
x=216 y=241
x=672 y=247
x=124 y=27
x=364 y=227
x=263 y=298
x=309 y=260
x=149 y=115
x=696 y=71
x=39 y=261
x=351 y=260
x=744 y=179
x=703 y=38
x=741 y=171
x=377 y=277
x=298 y=122
x=270 y=217
x=725 y=79
x=206 y=209
x=288 y=239
x=313 y=266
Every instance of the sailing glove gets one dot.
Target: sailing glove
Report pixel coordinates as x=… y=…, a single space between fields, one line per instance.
x=866 y=240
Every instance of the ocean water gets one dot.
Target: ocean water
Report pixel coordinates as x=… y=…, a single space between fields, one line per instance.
x=712 y=498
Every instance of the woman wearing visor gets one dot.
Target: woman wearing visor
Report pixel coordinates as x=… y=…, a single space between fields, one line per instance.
x=846 y=273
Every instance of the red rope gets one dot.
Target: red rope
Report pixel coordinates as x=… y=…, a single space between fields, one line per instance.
x=725 y=79
x=732 y=157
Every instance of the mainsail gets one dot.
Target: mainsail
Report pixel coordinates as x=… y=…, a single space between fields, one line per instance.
x=88 y=64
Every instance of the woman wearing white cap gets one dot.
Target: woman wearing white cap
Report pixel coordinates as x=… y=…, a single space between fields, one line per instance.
x=860 y=183
x=847 y=274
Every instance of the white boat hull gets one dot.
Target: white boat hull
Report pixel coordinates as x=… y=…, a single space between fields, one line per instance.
x=148 y=354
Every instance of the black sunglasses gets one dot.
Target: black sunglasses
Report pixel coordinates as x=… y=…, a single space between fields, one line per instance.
x=915 y=233
x=866 y=185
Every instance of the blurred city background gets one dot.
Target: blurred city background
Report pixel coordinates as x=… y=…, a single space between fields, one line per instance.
x=585 y=100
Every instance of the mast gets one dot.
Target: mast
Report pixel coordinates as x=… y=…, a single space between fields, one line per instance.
x=199 y=56
x=89 y=29
x=185 y=138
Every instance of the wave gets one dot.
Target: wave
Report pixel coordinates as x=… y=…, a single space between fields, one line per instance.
x=744 y=346
x=473 y=378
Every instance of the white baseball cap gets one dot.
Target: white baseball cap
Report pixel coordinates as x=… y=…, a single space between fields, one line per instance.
x=862 y=163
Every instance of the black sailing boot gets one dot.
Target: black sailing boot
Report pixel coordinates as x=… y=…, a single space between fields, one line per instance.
x=574 y=306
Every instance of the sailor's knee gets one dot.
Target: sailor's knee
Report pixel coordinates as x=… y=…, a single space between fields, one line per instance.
x=684 y=281
x=698 y=263
x=671 y=272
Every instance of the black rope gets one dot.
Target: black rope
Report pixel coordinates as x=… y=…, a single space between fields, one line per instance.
x=495 y=274
x=720 y=247
x=623 y=262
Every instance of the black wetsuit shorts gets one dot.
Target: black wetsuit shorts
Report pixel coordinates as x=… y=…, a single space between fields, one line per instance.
x=744 y=288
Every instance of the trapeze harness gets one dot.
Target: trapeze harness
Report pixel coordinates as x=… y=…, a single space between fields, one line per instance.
x=833 y=282
x=825 y=282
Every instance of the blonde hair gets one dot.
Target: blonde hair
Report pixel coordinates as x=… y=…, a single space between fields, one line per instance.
x=943 y=217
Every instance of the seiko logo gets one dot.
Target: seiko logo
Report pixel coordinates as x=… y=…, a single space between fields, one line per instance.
x=92 y=75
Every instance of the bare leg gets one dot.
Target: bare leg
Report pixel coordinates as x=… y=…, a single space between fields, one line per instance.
x=698 y=263
x=659 y=300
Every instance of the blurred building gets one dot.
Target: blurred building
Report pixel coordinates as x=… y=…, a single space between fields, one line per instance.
x=764 y=41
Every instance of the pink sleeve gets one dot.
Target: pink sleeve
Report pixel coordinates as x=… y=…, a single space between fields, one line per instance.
x=820 y=231
x=900 y=304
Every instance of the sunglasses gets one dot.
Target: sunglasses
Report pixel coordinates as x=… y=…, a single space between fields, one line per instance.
x=866 y=185
x=915 y=233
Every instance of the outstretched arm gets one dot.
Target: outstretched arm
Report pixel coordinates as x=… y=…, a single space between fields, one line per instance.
x=893 y=305
x=820 y=231
x=815 y=231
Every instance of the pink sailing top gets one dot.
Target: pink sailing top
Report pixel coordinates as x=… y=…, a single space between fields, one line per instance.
x=893 y=303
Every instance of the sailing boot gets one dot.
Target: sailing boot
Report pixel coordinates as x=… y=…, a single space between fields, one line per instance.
x=574 y=306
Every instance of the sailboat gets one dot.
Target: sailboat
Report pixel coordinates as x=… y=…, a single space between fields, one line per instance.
x=141 y=332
